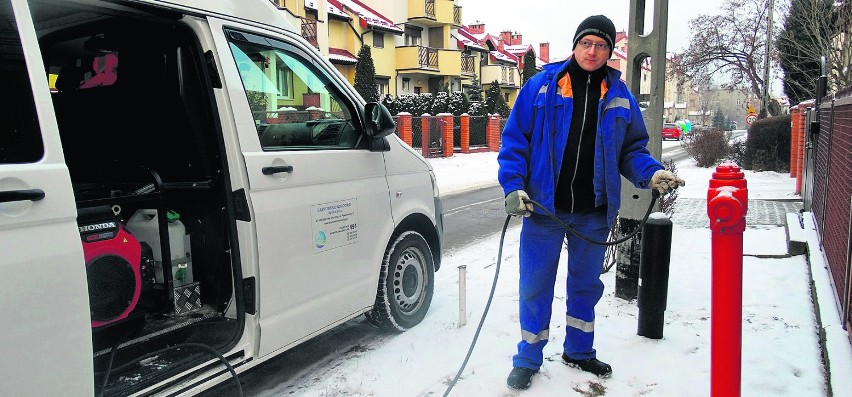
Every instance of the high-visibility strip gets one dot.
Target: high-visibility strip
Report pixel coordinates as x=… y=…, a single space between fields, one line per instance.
x=619 y=103
x=542 y=90
x=531 y=338
x=585 y=326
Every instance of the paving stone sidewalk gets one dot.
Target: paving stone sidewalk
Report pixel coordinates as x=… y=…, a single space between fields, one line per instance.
x=692 y=213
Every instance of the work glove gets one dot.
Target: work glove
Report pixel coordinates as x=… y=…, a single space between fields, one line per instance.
x=518 y=203
x=664 y=181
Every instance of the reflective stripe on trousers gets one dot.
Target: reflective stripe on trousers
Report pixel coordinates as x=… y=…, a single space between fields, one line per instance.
x=540 y=249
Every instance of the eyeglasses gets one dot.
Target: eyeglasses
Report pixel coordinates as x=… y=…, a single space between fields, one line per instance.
x=585 y=44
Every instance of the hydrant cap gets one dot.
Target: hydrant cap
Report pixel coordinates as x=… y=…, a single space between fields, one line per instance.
x=728 y=171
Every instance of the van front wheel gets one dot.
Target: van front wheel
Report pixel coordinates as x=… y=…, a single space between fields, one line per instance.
x=406 y=283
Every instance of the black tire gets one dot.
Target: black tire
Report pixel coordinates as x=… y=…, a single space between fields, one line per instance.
x=406 y=283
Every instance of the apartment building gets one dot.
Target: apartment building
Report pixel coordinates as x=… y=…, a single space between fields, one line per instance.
x=417 y=45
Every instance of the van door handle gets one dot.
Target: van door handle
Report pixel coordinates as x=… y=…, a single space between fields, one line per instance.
x=276 y=169
x=21 y=195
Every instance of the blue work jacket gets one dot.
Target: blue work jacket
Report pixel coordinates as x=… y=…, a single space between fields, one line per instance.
x=536 y=133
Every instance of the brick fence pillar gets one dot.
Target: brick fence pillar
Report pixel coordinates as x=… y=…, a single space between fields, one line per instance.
x=800 y=146
x=446 y=120
x=464 y=120
x=424 y=134
x=492 y=133
x=403 y=127
x=794 y=138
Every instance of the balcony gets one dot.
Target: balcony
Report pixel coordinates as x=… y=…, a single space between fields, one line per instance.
x=457 y=16
x=433 y=13
x=309 y=31
x=468 y=67
x=436 y=61
x=506 y=76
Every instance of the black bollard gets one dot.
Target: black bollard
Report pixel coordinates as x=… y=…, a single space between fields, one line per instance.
x=654 y=274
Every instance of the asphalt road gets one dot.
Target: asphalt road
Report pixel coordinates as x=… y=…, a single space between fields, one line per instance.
x=472 y=216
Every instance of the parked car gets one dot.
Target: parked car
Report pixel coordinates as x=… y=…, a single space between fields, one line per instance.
x=672 y=131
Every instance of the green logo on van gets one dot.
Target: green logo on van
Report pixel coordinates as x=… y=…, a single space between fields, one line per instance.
x=320 y=239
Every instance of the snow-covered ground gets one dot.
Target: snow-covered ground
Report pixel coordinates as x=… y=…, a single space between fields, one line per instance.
x=780 y=346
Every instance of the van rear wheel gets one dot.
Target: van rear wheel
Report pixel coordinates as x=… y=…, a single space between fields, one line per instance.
x=406 y=283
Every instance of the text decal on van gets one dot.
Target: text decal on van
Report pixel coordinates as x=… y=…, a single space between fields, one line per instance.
x=334 y=224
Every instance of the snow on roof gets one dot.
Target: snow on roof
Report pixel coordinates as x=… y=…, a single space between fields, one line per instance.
x=334 y=8
x=504 y=56
x=369 y=17
x=517 y=49
x=341 y=55
x=466 y=40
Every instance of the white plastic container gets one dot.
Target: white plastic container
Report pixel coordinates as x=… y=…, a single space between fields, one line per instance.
x=144 y=226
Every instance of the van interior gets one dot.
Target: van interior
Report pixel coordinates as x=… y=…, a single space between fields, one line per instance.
x=139 y=131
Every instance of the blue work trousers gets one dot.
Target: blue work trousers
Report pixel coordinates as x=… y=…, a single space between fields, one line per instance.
x=540 y=248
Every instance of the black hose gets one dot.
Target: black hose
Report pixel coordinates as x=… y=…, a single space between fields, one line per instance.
x=484 y=312
x=655 y=195
x=158 y=352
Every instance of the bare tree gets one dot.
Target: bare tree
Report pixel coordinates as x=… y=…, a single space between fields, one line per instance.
x=840 y=60
x=732 y=43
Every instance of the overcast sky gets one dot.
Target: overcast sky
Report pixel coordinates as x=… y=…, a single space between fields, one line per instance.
x=555 y=21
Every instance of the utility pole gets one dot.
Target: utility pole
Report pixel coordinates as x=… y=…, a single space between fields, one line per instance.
x=767 y=59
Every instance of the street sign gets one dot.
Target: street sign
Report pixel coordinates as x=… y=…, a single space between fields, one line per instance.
x=751 y=118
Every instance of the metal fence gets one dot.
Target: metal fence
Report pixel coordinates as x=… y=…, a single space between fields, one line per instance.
x=433 y=140
x=478 y=128
x=829 y=186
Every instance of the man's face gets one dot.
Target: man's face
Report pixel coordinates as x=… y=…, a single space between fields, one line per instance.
x=591 y=52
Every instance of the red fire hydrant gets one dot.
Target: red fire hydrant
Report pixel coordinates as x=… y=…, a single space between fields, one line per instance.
x=727 y=204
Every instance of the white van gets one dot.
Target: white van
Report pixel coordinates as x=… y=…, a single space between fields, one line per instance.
x=187 y=188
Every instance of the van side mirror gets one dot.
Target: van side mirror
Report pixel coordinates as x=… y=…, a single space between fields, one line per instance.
x=378 y=121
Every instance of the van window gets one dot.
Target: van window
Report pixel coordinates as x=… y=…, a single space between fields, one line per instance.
x=20 y=135
x=294 y=104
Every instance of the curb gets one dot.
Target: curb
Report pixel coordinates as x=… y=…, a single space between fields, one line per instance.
x=834 y=340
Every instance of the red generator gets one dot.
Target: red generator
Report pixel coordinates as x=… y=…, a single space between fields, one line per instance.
x=113 y=265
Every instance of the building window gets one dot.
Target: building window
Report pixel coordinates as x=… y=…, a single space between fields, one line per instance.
x=284 y=82
x=378 y=40
x=384 y=86
x=406 y=84
x=412 y=35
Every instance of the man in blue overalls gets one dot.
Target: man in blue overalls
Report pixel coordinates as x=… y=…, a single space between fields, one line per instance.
x=574 y=131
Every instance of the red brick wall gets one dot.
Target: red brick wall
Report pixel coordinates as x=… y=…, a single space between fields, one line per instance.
x=493 y=133
x=465 y=133
x=403 y=127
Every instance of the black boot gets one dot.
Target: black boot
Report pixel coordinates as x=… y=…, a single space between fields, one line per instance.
x=593 y=365
x=520 y=378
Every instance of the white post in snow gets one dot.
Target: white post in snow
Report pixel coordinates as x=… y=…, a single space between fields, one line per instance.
x=462 y=295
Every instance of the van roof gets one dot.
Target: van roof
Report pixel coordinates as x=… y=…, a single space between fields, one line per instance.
x=262 y=11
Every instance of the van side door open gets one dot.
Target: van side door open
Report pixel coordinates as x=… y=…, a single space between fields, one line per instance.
x=318 y=193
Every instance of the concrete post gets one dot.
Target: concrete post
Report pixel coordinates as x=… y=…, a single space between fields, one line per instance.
x=634 y=202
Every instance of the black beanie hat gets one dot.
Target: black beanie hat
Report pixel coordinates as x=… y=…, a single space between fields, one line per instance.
x=597 y=25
